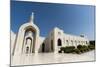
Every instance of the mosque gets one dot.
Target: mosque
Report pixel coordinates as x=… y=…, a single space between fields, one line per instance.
x=28 y=40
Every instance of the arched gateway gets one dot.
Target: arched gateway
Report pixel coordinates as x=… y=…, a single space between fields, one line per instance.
x=27 y=38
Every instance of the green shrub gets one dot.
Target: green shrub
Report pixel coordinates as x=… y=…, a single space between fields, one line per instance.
x=79 y=46
x=91 y=47
x=62 y=48
x=92 y=42
x=69 y=49
x=77 y=51
x=83 y=48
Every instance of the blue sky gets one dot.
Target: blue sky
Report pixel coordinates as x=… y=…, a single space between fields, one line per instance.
x=73 y=19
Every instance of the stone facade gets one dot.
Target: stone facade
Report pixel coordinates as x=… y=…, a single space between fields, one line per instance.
x=28 y=40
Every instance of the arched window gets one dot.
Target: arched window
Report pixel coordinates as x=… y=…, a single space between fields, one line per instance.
x=78 y=41
x=67 y=42
x=59 y=42
x=59 y=33
x=72 y=42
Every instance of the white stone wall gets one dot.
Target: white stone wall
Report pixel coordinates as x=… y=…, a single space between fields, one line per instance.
x=54 y=35
x=13 y=37
x=41 y=40
x=66 y=40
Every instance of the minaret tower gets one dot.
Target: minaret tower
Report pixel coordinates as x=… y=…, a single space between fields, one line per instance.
x=32 y=18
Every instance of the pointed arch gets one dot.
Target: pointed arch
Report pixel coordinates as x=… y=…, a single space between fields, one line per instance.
x=21 y=33
x=43 y=47
x=59 y=42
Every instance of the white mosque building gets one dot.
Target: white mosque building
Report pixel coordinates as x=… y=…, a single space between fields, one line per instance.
x=28 y=40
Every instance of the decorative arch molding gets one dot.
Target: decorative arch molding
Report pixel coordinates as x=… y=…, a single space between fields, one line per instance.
x=21 y=33
x=29 y=25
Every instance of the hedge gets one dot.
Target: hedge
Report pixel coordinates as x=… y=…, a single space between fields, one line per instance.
x=91 y=47
x=83 y=48
x=78 y=50
x=67 y=49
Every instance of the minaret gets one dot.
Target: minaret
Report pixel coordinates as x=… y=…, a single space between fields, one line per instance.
x=32 y=18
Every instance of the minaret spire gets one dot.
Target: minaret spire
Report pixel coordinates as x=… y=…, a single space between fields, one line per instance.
x=32 y=18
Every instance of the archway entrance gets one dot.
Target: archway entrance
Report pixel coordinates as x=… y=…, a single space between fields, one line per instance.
x=59 y=42
x=52 y=46
x=43 y=47
x=29 y=40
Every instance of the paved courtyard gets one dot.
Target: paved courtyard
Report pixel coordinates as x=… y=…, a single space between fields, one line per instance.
x=46 y=58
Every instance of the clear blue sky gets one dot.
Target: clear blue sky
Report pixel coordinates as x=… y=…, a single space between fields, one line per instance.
x=73 y=19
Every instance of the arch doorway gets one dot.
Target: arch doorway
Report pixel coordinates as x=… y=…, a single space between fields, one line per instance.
x=52 y=48
x=27 y=50
x=29 y=40
x=28 y=43
x=43 y=47
x=59 y=42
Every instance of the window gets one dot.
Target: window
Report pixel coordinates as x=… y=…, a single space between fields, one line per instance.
x=79 y=41
x=75 y=42
x=59 y=33
x=72 y=41
x=66 y=40
x=86 y=42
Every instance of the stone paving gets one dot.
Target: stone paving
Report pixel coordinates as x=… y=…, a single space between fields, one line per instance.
x=48 y=58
